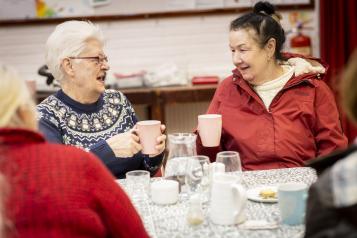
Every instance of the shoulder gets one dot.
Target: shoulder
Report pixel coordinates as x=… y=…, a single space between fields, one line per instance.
x=116 y=98
x=112 y=93
x=314 y=80
x=50 y=109
x=48 y=104
x=229 y=80
x=323 y=91
x=80 y=160
x=226 y=83
x=66 y=150
x=66 y=155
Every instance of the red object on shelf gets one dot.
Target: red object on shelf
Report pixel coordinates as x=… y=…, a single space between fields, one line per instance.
x=205 y=80
x=301 y=44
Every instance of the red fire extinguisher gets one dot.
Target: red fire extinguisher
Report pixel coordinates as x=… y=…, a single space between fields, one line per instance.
x=301 y=43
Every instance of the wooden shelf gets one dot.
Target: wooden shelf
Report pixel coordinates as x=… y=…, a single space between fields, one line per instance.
x=156 y=99
x=151 y=15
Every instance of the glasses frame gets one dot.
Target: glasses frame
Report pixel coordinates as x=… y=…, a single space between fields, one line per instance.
x=99 y=60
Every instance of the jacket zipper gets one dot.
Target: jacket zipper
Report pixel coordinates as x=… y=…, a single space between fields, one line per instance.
x=284 y=89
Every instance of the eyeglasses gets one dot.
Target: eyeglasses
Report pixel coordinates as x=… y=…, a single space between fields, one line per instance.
x=100 y=60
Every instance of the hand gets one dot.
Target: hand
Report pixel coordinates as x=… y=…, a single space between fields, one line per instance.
x=303 y=66
x=125 y=144
x=161 y=142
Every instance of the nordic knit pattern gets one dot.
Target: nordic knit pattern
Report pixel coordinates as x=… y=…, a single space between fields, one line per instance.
x=66 y=121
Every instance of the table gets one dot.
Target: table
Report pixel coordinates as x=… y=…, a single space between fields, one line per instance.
x=157 y=98
x=170 y=220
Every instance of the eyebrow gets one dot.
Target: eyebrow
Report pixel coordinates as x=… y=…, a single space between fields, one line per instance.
x=240 y=45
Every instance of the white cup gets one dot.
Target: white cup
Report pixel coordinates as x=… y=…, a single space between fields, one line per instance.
x=164 y=192
x=210 y=129
x=228 y=200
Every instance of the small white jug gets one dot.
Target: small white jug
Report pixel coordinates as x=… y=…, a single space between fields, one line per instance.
x=228 y=200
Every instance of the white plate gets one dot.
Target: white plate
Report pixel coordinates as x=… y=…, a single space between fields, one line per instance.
x=253 y=194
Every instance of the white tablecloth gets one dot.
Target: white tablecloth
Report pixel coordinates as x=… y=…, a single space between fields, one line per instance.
x=170 y=220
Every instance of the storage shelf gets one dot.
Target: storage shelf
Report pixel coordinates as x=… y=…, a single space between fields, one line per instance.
x=151 y=15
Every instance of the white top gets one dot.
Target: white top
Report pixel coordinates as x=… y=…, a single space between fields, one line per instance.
x=267 y=91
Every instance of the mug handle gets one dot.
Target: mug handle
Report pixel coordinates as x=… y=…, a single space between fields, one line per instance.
x=241 y=197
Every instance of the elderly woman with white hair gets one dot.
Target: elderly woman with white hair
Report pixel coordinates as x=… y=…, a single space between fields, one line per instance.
x=55 y=190
x=82 y=112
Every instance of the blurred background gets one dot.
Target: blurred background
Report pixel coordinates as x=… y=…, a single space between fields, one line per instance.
x=158 y=49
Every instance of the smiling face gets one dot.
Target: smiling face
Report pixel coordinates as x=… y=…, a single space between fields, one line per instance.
x=251 y=60
x=87 y=75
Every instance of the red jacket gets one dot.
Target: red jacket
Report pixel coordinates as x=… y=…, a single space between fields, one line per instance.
x=62 y=191
x=302 y=123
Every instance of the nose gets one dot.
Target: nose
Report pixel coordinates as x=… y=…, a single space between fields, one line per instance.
x=105 y=65
x=236 y=58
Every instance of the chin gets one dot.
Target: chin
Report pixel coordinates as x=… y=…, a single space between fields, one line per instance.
x=250 y=81
x=248 y=78
x=101 y=89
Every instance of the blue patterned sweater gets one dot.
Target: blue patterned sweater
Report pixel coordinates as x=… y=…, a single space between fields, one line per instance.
x=63 y=120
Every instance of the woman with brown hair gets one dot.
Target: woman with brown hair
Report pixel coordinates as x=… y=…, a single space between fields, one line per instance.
x=271 y=115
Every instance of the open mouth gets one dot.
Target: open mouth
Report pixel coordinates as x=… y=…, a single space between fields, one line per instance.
x=101 y=78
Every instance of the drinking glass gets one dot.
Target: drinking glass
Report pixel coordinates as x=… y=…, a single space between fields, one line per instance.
x=197 y=174
x=231 y=161
x=138 y=182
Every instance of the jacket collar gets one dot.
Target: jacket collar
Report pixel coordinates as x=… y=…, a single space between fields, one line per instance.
x=15 y=136
x=294 y=80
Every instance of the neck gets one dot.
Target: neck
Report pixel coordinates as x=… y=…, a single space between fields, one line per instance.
x=273 y=71
x=79 y=94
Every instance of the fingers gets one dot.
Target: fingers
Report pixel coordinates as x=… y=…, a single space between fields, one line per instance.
x=134 y=130
x=160 y=139
x=160 y=148
x=135 y=148
x=135 y=145
x=163 y=128
x=135 y=137
x=161 y=143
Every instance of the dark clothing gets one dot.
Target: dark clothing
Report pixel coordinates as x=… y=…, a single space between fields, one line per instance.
x=325 y=216
x=88 y=126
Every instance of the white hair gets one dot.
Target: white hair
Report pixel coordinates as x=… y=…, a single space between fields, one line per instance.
x=69 y=39
x=13 y=95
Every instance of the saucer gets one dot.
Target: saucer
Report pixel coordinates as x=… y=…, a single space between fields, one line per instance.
x=253 y=194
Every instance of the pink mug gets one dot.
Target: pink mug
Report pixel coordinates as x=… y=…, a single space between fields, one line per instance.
x=148 y=132
x=210 y=129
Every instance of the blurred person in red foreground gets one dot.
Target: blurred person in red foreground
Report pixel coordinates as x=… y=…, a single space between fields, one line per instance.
x=55 y=190
x=5 y=224
x=274 y=116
